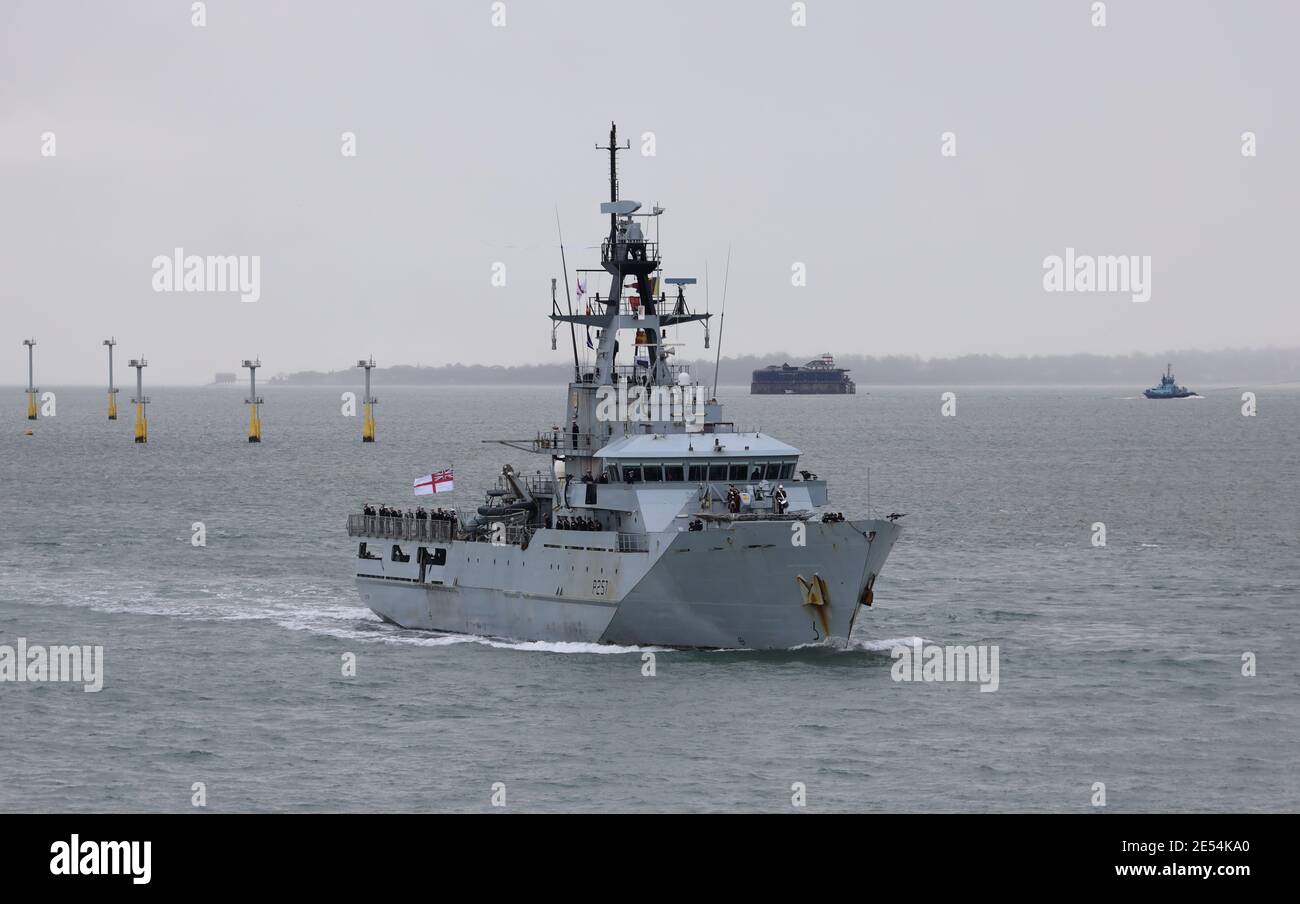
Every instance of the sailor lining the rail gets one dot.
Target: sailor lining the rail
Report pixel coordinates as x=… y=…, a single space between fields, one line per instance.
x=577 y=523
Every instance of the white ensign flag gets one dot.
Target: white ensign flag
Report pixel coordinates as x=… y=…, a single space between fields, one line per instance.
x=437 y=482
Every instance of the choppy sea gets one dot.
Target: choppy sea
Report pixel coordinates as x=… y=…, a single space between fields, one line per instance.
x=1119 y=664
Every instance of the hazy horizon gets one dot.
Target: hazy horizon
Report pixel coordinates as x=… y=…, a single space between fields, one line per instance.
x=1205 y=368
x=226 y=139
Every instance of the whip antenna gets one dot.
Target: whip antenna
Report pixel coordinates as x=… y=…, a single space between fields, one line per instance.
x=573 y=334
x=722 y=321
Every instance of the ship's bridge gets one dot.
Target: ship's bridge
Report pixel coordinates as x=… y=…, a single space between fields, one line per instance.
x=698 y=458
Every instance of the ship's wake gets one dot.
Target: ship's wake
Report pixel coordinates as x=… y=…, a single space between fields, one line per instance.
x=314 y=611
x=319 y=610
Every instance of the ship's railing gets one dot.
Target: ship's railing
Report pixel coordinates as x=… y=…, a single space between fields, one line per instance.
x=416 y=530
x=634 y=374
x=636 y=250
x=664 y=305
x=392 y=527
x=536 y=484
x=568 y=441
x=633 y=542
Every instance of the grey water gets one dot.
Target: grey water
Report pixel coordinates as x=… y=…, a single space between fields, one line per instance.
x=1119 y=665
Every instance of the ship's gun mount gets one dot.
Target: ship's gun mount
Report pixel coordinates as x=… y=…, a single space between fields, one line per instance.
x=510 y=502
x=520 y=491
x=517 y=497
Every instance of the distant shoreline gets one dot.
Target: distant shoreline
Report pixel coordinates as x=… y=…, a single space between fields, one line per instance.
x=1226 y=367
x=726 y=389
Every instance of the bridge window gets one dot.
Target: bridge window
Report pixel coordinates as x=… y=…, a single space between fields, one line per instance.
x=612 y=471
x=632 y=473
x=774 y=470
x=737 y=472
x=653 y=473
x=787 y=470
x=717 y=472
x=756 y=471
x=674 y=473
x=699 y=473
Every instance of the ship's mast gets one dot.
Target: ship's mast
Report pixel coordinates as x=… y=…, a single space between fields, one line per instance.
x=613 y=149
x=628 y=252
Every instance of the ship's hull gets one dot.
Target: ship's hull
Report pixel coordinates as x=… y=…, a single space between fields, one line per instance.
x=1156 y=394
x=732 y=587
x=485 y=612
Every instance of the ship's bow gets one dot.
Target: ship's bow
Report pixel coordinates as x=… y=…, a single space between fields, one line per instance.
x=756 y=585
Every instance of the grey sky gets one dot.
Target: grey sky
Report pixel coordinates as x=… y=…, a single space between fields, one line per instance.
x=818 y=144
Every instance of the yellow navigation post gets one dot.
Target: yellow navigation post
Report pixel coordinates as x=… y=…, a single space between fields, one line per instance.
x=368 y=426
x=32 y=410
x=140 y=400
x=253 y=401
x=112 y=390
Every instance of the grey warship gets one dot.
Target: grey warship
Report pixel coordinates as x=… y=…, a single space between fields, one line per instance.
x=657 y=522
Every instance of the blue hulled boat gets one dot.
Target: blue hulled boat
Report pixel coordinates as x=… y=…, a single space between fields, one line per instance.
x=1168 y=389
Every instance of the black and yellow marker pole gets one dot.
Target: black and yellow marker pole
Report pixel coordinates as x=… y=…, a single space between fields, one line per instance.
x=140 y=400
x=367 y=403
x=112 y=390
x=254 y=401
x=33 y=410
